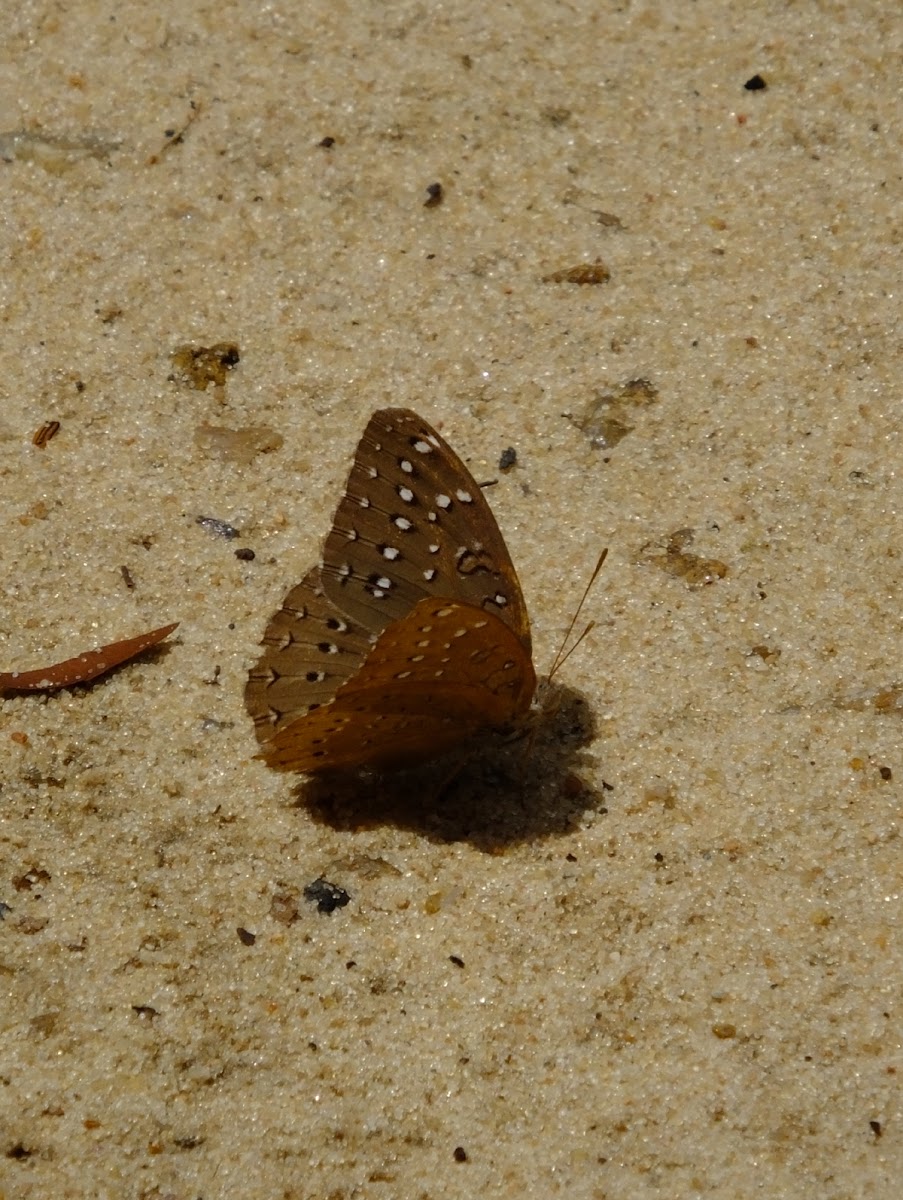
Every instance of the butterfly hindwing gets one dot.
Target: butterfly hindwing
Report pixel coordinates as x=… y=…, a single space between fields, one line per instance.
x=434 y=680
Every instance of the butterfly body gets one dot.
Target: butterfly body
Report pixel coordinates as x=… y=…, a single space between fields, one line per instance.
x=412 y=637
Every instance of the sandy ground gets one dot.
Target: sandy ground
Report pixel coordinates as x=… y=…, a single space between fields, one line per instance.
x=662 y=956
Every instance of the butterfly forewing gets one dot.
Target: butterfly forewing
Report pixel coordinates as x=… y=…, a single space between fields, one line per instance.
x=311 y=649
x=414 y=524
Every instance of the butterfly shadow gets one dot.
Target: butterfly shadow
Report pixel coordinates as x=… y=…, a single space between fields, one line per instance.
x=498 y=794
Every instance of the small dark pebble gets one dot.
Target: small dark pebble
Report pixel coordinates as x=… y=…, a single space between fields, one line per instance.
x=434 y=196
x=217 y=527
x=327 y=896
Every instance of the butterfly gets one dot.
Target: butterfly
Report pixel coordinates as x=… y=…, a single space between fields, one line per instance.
x=411 y=638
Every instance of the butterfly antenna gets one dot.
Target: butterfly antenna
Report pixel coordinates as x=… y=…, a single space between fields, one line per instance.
x=562 y=656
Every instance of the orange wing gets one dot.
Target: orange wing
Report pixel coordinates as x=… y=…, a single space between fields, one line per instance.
x=439 y=677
